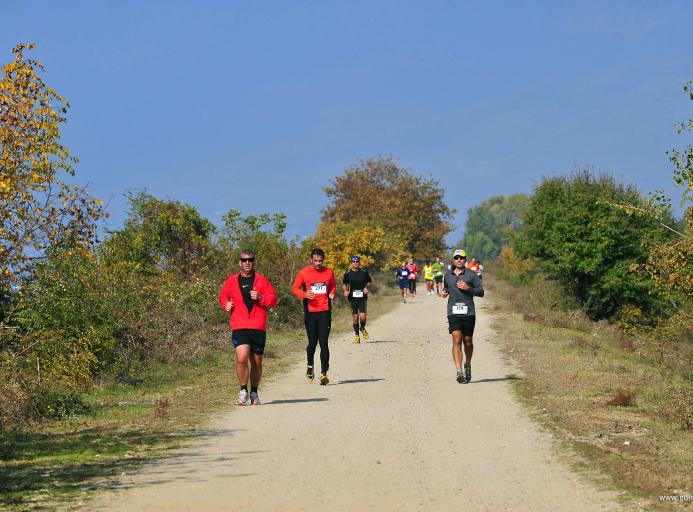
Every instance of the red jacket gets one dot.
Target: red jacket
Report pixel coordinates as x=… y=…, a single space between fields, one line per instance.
x=325 y=286
x=240 y=318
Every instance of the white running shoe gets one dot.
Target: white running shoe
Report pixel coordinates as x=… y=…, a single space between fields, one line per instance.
x=242 y=397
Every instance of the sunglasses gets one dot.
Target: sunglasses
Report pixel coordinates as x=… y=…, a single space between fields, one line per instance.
x=458 y=257
x=246 y=260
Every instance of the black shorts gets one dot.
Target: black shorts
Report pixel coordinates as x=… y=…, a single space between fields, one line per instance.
x=357 y=305
x=253 y=337
x=438 y=279
x=464 y=323
x=412 y=285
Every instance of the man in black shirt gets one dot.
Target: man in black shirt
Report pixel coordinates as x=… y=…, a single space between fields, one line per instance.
x=356 y=281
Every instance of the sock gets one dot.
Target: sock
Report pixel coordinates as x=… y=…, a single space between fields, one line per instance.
x=356 y=329
x=244 y=387
x=253 y=389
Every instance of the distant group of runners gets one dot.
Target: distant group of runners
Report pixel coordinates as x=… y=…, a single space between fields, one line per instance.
x=248 y=295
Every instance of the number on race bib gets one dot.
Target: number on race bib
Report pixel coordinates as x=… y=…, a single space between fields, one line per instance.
x=459 y=309
x=357 y=293
x=405 y=273
x=318 y=288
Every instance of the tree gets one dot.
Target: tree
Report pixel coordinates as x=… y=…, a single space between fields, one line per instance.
x=378 y=193
x=161 y=236
x=490 y=224
x=341 y=240
x=576 y=238
x=670 y=261
x=38 y=209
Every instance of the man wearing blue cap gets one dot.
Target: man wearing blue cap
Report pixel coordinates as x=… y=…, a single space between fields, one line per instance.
x=356 y=281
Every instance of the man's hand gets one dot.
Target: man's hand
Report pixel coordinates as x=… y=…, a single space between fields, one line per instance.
x=309 y=295
x=462 y=285
x=346 y=293
x=228 y=306
x=444 y=294
x=254 y=295
x=331 y=296
x=365 y=290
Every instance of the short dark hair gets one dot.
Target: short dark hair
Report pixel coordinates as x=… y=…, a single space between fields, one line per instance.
x=317 y=252
x=247 y=252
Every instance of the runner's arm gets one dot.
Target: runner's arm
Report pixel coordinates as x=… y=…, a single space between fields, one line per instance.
x=268 y=296
x=296 y=288
x=225 y=294
x=477 y=288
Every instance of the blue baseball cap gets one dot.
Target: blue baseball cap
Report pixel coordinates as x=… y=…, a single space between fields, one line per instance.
x=355 y=258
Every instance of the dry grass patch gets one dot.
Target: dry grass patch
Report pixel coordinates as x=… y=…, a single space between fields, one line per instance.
x=582 y=380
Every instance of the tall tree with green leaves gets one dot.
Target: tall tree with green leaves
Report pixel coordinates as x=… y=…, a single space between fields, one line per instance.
x=161 y=236
x=490 y=224
x=575 y=237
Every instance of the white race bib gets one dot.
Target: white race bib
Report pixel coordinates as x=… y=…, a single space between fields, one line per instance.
x=405 y=273
x=459 y=309
x=318 y=288
x=357 y=293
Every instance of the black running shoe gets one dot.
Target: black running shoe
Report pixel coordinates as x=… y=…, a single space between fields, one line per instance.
x=467 y=373
x=309 y=374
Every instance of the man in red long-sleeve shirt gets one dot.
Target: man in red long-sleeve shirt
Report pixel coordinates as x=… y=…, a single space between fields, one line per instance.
x=247 y=295
x=316 y=286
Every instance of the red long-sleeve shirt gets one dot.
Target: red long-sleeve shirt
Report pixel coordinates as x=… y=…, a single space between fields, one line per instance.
x=321 y=282
x=240 y=317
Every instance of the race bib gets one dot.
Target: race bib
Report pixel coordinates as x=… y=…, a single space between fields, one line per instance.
x=318 y=288
x=459 y=309
x=405 y=273
x=357 y=293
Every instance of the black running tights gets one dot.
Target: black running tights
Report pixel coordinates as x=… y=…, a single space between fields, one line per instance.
x=318 y=330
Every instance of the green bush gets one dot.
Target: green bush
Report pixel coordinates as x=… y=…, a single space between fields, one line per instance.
x=574 y=236
x=56 y=402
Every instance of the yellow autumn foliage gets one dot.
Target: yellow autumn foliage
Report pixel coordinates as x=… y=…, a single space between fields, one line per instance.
x=342 y=240
x=38 y=210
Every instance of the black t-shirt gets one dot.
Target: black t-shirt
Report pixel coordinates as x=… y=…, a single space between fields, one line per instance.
x=246 y=285
x=356 y=281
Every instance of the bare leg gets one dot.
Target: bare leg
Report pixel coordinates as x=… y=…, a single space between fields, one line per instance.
x=468 y=349
x=242 y=353
x=255 y=370
x=457 y=348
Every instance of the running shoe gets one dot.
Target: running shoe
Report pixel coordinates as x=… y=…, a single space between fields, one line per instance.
x=467 y=373
x=405 y=301
x=309 y=374
x=460 y=376
x=242 y=397
x=365 y=333
x=357 y=339
x=323 y=379
x=254 y=398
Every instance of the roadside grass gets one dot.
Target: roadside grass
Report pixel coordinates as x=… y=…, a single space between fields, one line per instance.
x=624 y=414
x=57 y=465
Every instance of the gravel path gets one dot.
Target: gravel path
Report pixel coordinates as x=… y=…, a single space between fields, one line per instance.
x=392 y=431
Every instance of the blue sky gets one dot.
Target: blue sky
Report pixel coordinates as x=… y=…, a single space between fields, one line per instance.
x=257 y=105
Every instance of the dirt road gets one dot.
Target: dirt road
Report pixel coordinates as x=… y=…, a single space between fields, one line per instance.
x=392 y=431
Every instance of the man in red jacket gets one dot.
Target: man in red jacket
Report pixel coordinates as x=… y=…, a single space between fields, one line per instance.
x=247 y=295
x=316 y=285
